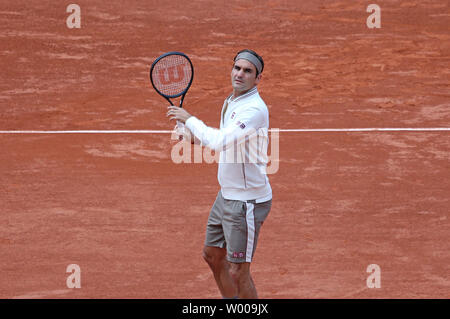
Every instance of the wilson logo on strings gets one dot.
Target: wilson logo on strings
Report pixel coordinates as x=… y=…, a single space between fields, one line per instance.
x=172 y=74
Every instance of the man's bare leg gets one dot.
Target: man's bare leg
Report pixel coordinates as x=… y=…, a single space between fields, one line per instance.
x=243 y=280
x=216 y=259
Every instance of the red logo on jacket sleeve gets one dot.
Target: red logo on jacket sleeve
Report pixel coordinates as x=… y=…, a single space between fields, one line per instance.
x=240 y=124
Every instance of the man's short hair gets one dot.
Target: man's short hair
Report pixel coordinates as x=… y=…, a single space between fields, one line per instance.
x=256 y=55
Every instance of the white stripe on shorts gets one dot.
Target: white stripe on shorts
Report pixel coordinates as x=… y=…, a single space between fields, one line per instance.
x=250 y=217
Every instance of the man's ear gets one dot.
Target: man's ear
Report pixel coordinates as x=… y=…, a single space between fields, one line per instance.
x=258 y=78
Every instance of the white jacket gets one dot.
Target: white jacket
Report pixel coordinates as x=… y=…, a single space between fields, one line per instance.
x=242 y=141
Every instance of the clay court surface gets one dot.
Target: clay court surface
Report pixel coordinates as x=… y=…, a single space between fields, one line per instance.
x=116 y=204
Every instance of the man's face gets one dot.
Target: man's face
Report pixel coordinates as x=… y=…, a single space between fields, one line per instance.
x=243 y=76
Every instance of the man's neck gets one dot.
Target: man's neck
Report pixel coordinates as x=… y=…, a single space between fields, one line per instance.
x=237 y=94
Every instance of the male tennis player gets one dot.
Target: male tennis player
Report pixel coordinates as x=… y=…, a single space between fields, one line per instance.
x=245 y=197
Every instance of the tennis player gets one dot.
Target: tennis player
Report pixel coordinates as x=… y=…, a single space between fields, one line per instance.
x=245 y=197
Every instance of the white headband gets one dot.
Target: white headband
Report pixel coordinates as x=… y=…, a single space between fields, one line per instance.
x=251 y=58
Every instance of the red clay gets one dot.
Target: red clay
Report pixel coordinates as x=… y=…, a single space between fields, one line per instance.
x=134 y=221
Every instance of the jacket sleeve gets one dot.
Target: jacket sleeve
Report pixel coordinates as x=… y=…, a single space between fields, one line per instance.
x=243 y=126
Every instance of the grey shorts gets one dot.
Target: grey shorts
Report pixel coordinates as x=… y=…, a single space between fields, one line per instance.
x=235 y=225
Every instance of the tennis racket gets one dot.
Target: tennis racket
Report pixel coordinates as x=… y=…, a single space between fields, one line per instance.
x=171 y=75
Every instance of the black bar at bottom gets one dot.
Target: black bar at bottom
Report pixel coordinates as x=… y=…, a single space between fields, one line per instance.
x=210 y=308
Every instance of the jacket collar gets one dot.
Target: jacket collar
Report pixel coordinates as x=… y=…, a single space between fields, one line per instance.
x=250 y=92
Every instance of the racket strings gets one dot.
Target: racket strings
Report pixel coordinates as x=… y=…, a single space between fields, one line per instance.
x=172 y=74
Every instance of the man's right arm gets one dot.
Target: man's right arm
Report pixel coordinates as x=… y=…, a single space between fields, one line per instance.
x=186 y=134
x=244 y=125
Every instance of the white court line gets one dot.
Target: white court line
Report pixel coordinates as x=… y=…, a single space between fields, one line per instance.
x=424 y=129
x=91 y=132
x=375 y=129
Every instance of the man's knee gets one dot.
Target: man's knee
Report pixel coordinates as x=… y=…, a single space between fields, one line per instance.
x=213 y=255
x=207 y=256
x=240 y=272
